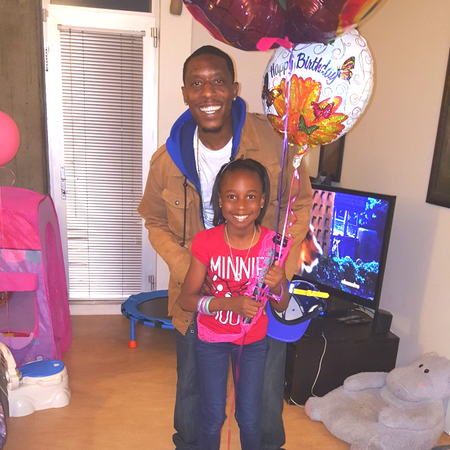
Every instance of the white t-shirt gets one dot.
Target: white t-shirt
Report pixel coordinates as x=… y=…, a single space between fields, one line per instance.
x=208 y=163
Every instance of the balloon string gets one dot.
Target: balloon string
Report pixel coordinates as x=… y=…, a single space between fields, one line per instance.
x=285 y=137
x=289 y=210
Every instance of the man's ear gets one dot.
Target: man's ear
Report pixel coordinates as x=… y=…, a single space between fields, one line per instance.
x=235 y=90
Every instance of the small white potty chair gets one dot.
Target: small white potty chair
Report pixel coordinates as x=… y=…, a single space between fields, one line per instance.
x=35 y=386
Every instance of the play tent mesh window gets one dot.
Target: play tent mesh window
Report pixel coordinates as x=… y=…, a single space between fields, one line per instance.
x=102 y=75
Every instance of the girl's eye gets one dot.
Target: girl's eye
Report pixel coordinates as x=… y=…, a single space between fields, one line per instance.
x=251 y=197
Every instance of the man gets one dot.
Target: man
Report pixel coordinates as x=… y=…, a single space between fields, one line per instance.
x=176 y=206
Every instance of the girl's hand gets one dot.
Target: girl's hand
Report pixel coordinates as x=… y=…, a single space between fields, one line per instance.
x=276 y=281
x=275 y=275
x=244 y=306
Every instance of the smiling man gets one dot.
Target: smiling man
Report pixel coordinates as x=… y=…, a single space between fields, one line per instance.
x=215 y=129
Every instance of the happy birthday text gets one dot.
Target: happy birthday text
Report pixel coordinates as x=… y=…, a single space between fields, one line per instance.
x=303 y=61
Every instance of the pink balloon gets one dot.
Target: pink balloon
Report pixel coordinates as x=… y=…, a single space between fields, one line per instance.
x=9 y=138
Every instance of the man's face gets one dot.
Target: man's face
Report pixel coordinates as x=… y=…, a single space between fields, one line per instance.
x=209 y=92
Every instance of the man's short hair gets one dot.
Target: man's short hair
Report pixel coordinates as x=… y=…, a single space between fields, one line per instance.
x=210 y=50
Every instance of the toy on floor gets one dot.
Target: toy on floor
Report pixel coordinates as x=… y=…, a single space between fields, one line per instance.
x=399 y=410
x=35 y=386
x=138 y=309
x=35 y=319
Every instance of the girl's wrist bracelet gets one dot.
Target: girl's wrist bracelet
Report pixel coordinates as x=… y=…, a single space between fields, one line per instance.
x=203 y=305
x=278 y=298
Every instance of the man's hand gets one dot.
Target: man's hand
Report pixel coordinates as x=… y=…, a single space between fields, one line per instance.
x=207 y=287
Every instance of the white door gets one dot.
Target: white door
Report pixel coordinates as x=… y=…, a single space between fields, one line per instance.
x=101 y=92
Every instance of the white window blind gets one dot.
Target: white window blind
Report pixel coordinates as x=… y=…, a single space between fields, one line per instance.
x=102 y=76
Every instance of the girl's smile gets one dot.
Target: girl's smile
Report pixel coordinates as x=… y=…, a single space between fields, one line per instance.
x=241 y=198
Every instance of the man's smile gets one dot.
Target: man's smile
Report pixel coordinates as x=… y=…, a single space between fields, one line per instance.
x=210 y=109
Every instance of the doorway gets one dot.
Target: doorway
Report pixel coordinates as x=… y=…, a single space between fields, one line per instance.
x=101 y=83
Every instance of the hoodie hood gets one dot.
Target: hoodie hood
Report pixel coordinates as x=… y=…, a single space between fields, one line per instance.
x=180 y=144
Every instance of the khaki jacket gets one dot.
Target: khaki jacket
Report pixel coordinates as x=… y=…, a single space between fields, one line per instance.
x=163 y=206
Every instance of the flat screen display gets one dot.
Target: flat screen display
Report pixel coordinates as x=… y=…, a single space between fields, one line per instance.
x=352 y=230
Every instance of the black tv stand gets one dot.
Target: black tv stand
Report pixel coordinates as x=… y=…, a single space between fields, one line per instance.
x=337 y=307
x=349 y=350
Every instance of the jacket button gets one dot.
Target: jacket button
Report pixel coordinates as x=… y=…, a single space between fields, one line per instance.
x=177 y=202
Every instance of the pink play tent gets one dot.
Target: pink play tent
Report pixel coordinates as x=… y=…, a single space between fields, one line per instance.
x=34 y=307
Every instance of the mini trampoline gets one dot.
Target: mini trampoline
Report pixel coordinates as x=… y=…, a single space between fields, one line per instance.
x=147 y=308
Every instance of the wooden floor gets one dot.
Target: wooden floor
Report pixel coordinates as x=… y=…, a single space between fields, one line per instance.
x=123 y=398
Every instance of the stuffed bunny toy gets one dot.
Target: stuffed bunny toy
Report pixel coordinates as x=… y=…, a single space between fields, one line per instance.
x=398 y=410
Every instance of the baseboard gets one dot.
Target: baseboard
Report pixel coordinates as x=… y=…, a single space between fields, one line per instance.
x=94 y=309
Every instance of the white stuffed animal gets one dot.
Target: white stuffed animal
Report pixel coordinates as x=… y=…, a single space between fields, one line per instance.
x=399 y=410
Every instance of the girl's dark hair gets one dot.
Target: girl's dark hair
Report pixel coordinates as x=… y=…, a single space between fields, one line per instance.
x=249 y=165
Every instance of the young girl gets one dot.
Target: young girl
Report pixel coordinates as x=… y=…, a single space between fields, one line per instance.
x=235 y=255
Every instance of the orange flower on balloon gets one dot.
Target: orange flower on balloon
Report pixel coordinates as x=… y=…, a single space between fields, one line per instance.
x=310 y=121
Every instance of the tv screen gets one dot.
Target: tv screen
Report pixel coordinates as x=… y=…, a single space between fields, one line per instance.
x=351 y=231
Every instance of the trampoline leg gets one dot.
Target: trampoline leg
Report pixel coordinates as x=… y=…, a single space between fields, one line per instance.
x=132 y=343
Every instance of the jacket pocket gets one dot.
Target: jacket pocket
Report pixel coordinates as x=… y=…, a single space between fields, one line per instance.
x=176 y=208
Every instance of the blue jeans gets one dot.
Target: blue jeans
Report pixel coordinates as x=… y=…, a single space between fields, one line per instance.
x=248 y=370
x=187 y=403
x=187 y=400
x=273 y=437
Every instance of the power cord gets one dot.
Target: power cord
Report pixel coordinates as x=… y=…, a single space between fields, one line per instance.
x=320 y=364
x=318 y=372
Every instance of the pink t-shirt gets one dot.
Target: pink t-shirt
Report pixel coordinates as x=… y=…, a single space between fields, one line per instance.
x=230 y=275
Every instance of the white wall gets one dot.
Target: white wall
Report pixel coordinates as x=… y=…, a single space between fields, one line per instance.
x=389 y=151
x=175 y=47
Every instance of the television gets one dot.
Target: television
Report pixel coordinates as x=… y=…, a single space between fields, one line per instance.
x=351 y=230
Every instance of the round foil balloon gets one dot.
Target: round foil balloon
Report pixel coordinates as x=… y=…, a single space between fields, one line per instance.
x=239 y=23
x=317 y=92
x=244 y=23
x=9 y=138
x=324 y=20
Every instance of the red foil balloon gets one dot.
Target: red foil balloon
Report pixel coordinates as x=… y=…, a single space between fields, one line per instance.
x=239 y=23
x=324 y=20
x=243 y=23
x=9 y=138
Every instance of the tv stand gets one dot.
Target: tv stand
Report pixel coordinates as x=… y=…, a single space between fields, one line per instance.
x=349 y=350
x=337 y=307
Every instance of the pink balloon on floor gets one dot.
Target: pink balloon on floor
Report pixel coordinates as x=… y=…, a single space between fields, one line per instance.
x=9 y=138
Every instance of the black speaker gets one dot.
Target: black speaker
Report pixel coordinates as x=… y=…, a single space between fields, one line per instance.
x=382 y=321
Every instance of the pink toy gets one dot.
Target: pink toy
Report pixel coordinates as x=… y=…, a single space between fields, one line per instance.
x=34 y=309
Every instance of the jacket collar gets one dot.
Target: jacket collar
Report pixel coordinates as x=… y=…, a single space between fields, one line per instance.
x=251 y=143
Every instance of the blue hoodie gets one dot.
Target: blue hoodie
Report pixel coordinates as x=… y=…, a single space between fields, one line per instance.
x=180 y=144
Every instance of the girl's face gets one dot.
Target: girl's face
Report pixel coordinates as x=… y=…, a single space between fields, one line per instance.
x=241 y=198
